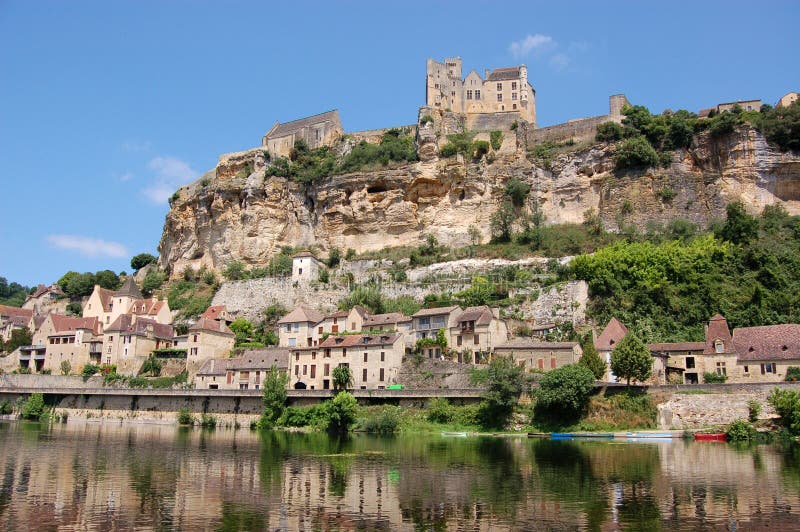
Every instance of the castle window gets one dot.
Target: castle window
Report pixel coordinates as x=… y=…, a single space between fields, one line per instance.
x=436 y=86
x=513 y=95
x=477 y=95
x=514 y=106
x=469 y=95
x=499 y=87
x=499 y=97
x=513 y=85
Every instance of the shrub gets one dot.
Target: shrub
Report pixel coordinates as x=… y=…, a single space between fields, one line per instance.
x=636 y=152
x=496 y=138
x=440 y=410
x=608 y=132
x=208 y=421
x=740 y=430
x=722 y=124
x=793 y=373
x=781 y=126
x=334 y=257
x=33 y=407
x=480 y=148
x=426 y=119
x=667 y=194
x=448 y=150
x=90 y=369
x=564 y=391
x=6 y=408
x=305 y=416
x=152 y=366
x=517 y=191
x=66 y=367
x=504 y=386
x=339 y=413
x=185 y=417
x=274 y=397
x=754 y=410
x=714 y=378
x=153 y=281
x=234 y=271
x=787 y=405
x=74 y=308
x=386 y=421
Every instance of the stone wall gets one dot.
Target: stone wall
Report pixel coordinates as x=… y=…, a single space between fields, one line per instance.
x=492 y=121
x=579 y=130
x=374 y=136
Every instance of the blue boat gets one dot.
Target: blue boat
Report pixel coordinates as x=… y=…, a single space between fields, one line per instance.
x=561 y=436
x=572 y=435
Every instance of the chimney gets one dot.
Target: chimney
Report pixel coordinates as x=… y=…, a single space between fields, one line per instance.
x=486 y=74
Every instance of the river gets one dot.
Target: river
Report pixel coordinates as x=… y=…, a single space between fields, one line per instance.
x=93 y=476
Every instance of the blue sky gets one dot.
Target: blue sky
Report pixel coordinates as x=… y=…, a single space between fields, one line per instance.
x=107 y=107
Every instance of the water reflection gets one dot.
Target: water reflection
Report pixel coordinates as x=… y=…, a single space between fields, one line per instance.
x=100 y=477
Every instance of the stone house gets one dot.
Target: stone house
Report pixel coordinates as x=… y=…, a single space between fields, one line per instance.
x=427 y=322
x=391 y=322
x=107 y=305
x=305 y=267
x=63 y=338
x=766 y=352
x=129 y=340
x=788 y=99
x=298 y=328
x=245 y=372
x=536 y=355
x=13 y=318
x=342 y=321
x=503 y=90
x=605 y=343
x=478 y=329
x=373 y=359
x=319 y=130
x=745 y=105
x=207 y=339
x=46 y=299
x=683 y=362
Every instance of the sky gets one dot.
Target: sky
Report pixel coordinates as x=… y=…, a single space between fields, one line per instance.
x=106 y=108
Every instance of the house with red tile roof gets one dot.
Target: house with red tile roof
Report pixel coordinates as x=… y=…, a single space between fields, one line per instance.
x=613 y=333
x=63 y=338
x=373 y=359
x=244 y=372
x=299 y=328
x=13 y=318
x=130 y=340
x=537 y=355
x=477 y=331
x=46 y=299
x=680 y=362
x=207 y=339
x=766 y=352
x=219 y=313
x=342 y=321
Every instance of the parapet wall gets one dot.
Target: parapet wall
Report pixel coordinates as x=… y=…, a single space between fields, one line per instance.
x=576 y=130
x=492 y=121
x=374 y=136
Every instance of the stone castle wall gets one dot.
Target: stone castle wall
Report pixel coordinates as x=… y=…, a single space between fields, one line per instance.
x=374 y=136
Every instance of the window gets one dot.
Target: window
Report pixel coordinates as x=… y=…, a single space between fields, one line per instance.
x=327 y=370
x=424 y=323
x=242 y=385
x=552 y=362
x=689 y=362
x=296 y=327
x=769 y=367
x=327 y=353
x=380 y=377
x=195 y=338
x=477 y=95
x=458 y=340
x=313 y=371
x=476 y=339
x=110 y=338
x=453 y=94
x=514 y=106
x=344 y=351
x=540 y=363
x=313 y=355
x=499 y=87
x=469 y=95
x=319 y=330
x=365 y=357
x=721 y=368
x=296 y=370
x=513 y=85
x=364 y=375
x=292 y=342
x=383 y=356
x=193 y=351
x=513 y=95
x=719 y=346
x=746 y=369
x=288 y=327
x=499 y=97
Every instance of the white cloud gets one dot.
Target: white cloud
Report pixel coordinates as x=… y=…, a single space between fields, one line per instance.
x=127 y=176
x=560 y=61
x=87 y=246
x=531 y=43
x=170 y=174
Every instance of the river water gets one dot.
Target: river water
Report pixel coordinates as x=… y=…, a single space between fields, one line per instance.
x=92 y=476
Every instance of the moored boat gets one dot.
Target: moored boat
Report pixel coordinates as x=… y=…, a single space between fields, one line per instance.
x=714 y=436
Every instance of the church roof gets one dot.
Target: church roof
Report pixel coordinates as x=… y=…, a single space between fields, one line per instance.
x=611 y=335
x=504 y=74
x=287 y=128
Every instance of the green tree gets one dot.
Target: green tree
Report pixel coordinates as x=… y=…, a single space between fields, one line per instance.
x=496 y=138
x=591 y=359
x=781 y=127
x=787 y=405
x=334 y=257
x=631 y=359
x=504 y=383
x=152 y=366
x=19 y=337
x=66 y=367
x=609 y=132
x=635 y=152
x=153 y=281
x=235 y=271
x=74 y=308
x=479 y=293
x=274 y=397
x=342 y=377
x=502 y=222
x=517 y=191
x=141 y=260
x=369 y=297
x=106 y=279
x=340 y=412
x=564 y=392
x=242 y=328
x=33 y=407
x=739 y=227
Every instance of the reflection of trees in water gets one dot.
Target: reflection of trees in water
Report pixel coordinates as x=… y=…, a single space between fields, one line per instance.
x=638 y=509
x=154 y=477
x=241 y=517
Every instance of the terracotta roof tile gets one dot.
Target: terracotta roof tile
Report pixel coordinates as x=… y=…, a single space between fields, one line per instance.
x=436 y=311
x=390 y=318
x=528 y=343
x=768 y=342
x=214 y=311
x=353 y=340
x=611 y=335
x=205 y=324
x=676 y=346
x=125 y=323
x=302 y=314
x=63 y=323
x=504 y=74
x=718 y=330
x=480 y=315
x=11 y=312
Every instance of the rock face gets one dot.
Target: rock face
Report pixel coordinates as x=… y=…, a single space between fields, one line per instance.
x=235 y=213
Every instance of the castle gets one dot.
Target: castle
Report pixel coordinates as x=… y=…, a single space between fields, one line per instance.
x=504 y=90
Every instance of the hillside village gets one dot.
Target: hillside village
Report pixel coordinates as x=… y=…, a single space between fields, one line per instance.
x=121 y=331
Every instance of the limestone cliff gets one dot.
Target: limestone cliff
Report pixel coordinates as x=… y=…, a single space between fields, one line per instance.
x=235 y=213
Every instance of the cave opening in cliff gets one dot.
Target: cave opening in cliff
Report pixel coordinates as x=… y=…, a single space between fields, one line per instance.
x=374 y=189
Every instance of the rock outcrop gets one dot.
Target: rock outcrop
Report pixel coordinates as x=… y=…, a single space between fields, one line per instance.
x=234 y=212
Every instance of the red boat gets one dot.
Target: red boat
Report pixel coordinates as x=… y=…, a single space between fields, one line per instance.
x=717 y=436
